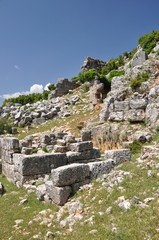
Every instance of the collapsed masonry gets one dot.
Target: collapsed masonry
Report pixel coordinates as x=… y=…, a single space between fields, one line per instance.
x=68 y=171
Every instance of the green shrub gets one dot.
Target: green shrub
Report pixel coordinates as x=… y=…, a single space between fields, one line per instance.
x=111 y=65
x=86 y=76
x=136 y=83
x=30 y=98
x=135 y=147
x=51 y=87
x=45 y=149
x=115 y=73
x=5 y=126
x=148 y=41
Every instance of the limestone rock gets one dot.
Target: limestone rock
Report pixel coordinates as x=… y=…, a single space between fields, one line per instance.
x=118 y=155
x=139 y=57
x=67 y=175
x=81 y=146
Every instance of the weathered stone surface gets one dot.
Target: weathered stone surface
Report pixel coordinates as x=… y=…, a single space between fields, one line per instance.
x=38 y=163
x=99 y=168
x=70 y=174
x=96 y=91
x=10 y=143
x=116 y=116
x=119 y=155
x=86 y=135
x=61 y=149
x=26 y=150
x=139 y=57
x=81 y=146
x=105 y=111
x=121 y=105
x=8 y=171
x=69 y=138
x=59 y=195
x=142 y=137
x=152 y=114
x=40 y=192
x=74 y=157
x=136 y=115
x=138 y=103
x=118 y=83
x=63 y=86
x=90 y=63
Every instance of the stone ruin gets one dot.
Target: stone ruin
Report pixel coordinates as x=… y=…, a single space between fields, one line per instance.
x=66 y=169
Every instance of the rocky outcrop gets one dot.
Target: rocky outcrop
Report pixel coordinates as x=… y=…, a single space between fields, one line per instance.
x=96 y=92
x=139 y=57
x=90 y=63
x=63 y=87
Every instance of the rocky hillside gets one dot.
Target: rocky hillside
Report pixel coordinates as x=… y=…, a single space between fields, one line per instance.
x=81 y=140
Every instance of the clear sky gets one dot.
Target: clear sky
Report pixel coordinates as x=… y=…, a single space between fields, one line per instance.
x=44 y=40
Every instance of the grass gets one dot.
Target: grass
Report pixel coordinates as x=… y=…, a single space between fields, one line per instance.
x=135 y=224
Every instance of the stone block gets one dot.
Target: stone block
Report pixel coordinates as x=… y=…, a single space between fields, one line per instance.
x=35 y=164
x=121 y=106
x=116 y=116
x=138 y=103
x=99 y=168
x=40 y=192
x=61 y=149
x=81 y=146
x=136 y=115
x=8 y=171
x=26 y=150
x=86 y=135
x=118 y=155
x=10 y=143
x=59 y=195
x=70 y=174
x=61 y=142
x=74 y=157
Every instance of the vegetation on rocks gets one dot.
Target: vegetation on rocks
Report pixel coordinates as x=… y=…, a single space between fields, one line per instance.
x=140 y=78
x=115 y=73
x=148 y=41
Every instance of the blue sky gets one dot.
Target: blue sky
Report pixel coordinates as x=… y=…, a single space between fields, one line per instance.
x=44 y=40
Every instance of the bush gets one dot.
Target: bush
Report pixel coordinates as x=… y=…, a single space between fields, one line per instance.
x=148 y=41
x=135 y=147
x=111 y=65
x=136 y=83
x=5 y=126
x=115 y=73
x=30 y=98
x=86 y=76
